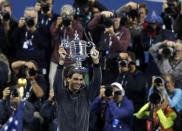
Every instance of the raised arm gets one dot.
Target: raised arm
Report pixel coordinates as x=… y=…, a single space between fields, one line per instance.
x=58 y=80
x=97 y=75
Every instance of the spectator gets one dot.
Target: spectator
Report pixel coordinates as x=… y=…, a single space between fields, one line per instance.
x=116 y=109
x=74 y=100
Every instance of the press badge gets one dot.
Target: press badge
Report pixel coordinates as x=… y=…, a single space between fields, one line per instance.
x=27 y=44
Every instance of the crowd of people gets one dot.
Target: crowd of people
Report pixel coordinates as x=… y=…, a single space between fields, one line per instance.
x=133 y=80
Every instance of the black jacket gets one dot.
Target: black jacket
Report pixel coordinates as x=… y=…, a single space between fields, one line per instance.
x=74 y=110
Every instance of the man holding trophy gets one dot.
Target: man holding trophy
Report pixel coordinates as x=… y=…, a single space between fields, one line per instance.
x=74 y=100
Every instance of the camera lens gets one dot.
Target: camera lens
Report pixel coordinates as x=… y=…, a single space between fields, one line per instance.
x=158 y=81
x=167 y=52
x=29 y=21
x=108 y=91
x=155 y=98
x=45 y=7
x=6 y=15
x=66 y=21
x=123 y=63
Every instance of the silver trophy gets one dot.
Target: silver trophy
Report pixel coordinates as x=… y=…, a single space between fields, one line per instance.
x=78 y=51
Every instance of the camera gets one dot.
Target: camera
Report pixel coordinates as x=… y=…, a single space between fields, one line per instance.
x=44 y=6
x=156 y=95
x=123 y=63
x=5 y=15
x=66 y=21
x=107 y=21
x=29 y=21
x=167 y=52
x=14 y=92
x=24 y=71
x=108 y=91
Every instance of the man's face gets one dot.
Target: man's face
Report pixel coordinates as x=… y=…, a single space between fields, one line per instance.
x=75 y=82
x=142 y=13
x=8 y=9
x=178 y=53
x=117 y=97
x=169 y=84
x=117 y=22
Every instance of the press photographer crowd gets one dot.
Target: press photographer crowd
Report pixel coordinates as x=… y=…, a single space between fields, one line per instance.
x=91 y=69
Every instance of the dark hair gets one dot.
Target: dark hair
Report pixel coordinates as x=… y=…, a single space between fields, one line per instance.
x=74 y=71
x=143 y=5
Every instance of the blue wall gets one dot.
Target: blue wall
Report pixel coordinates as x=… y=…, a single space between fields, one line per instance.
x=19 y=5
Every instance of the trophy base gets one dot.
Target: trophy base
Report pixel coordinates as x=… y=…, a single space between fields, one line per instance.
x=81 y=69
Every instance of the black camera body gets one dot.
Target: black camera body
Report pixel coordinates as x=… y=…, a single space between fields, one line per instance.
x=5 y=15
x=168 y=52
x=108 y=91
x=123 y=63
x=156 y=95
x=66 y=21
x=107 y=21
x=29 y=21
x=23 y=72
x=14 y=92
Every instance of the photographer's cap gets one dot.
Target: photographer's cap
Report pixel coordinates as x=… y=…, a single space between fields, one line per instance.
x=118 y=85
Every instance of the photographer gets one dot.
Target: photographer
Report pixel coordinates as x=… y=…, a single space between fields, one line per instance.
x=73 y=101
x=9 y=104
x=7 y=27
x=157 y=112
x=30 y=40
x=115 y=108
x=86 y=9
x=134 y=82
x=36 y=87
x=168 y=57
x=46 y=16
x=111 y=38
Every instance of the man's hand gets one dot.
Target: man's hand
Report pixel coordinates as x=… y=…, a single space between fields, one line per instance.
x=6 y=92
x=30 y=65
x=94 y=55
x=110 y=30
x=37 y=6
x=62 y=55
x=123 y=56
x=21 y=22
x=51 y=95
x=58 y=21
x=132 y=5
x=102 y=92
x=107 y=13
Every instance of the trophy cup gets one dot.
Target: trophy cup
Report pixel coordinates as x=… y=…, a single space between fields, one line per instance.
x=78 y=51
